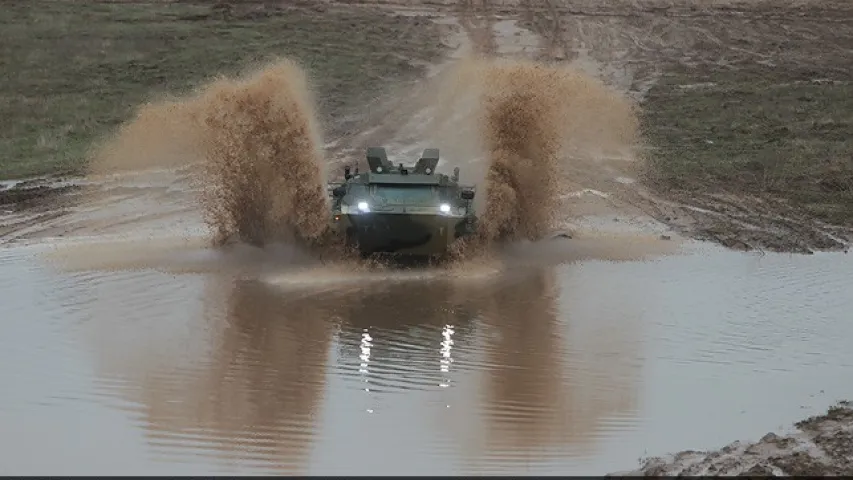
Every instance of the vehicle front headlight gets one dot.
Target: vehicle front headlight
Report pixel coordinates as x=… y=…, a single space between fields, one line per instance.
x=363 y=206
x=444 y=207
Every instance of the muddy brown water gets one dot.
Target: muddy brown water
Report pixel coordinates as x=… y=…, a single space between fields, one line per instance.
x=578 y=368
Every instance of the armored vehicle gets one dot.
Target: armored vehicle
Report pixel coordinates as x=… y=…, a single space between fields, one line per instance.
x=402 y=210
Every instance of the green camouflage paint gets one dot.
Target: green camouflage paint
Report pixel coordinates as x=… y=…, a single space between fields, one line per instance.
x=402 y=210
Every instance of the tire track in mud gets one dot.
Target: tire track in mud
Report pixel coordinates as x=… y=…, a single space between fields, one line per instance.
x=477 y=18
x=550 y=29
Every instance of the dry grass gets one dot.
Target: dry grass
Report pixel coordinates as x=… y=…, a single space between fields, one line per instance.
x=758 y=104
x=74 y=71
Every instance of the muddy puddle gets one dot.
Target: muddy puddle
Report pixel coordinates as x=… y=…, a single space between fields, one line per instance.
x=124 y=366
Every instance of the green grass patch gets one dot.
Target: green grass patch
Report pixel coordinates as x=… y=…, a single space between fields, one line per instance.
x=74 y=71
x=758 y=130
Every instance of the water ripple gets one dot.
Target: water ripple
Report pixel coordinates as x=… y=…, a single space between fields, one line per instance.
x=541 y=371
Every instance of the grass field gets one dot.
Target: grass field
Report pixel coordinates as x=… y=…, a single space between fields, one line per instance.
x=73 y=71
x=761 y=105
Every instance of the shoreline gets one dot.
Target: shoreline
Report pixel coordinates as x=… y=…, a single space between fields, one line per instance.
x=820 y=445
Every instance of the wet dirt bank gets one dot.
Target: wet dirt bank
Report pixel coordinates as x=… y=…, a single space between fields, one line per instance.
x=821 y=445
x=33 y=194
x=32 y=202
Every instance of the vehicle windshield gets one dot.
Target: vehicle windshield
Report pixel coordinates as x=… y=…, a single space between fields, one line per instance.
x=408 y=194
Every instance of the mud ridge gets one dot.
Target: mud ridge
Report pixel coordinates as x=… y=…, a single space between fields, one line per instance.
x=26 y=196
x=821 y=445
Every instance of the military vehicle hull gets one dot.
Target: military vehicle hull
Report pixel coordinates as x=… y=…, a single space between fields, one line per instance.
x=402 y=233
x=399 y=210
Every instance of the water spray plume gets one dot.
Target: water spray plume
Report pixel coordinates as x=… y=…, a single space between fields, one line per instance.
x=258 y=146
x=161 y=135
x=536 y=123
x=264 y=171
x=518 y=126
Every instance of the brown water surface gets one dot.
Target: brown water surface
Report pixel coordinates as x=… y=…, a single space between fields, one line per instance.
x=283 y=367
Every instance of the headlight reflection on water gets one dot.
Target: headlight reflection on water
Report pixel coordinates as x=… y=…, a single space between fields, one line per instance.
x=366 y=344
x=446 y=358
x=365 y=355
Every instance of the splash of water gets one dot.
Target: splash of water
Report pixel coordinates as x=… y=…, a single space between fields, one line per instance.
x=536 y=124
x=514 y=127
x=258 y=145
x=265 y=172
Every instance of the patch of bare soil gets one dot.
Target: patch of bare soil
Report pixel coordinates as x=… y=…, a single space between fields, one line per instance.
x=820 y=446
